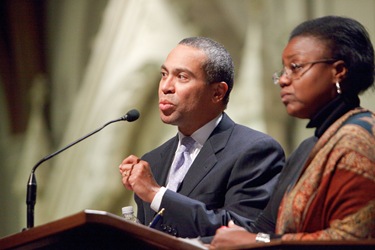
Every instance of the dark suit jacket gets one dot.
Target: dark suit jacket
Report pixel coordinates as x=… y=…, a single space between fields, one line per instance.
x=235 y=171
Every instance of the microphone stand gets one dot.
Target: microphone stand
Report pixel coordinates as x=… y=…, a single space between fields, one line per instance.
x=132 y=115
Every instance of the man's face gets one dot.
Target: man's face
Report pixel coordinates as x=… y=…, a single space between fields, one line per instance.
x=185 y=99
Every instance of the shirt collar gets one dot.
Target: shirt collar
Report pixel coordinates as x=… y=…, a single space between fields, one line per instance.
x=201 y=135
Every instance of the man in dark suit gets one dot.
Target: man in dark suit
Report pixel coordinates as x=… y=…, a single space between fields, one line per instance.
x=228 y=168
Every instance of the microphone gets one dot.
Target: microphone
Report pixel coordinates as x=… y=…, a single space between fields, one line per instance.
x=131 y=116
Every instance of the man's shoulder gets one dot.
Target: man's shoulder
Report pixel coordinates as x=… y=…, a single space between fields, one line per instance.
x=250 y=133
x=228 y=124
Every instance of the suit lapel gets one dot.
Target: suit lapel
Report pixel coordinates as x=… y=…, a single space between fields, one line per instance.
x=165 y=162
x=160 y=169
x=206 y=159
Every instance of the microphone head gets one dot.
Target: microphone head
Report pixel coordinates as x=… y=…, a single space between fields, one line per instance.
x=132 y=115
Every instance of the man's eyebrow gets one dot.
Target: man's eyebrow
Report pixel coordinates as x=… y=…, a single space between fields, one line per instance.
x=184 y=70
x=163 y=67
x=177 y=70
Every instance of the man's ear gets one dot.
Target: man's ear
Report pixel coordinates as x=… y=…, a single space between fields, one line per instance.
x=219 y=91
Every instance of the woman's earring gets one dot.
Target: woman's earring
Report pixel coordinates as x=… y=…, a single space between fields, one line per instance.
x=338 y=88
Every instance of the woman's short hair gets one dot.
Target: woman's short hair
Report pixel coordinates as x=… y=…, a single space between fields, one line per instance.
x=347 y=40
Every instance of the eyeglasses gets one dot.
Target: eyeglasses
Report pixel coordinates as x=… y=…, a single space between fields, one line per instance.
x=297 y=70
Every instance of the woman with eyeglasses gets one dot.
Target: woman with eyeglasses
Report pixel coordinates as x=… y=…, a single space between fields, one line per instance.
x=327 y=188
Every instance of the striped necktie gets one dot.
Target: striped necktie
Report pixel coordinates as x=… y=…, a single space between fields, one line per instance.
x=181 y=164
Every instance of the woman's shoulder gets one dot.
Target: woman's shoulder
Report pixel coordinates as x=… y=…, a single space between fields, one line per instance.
x=363 y=118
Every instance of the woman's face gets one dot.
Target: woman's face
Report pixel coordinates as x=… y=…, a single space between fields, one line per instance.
x=308 y=85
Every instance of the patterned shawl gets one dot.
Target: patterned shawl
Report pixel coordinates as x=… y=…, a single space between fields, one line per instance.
x=334 y=197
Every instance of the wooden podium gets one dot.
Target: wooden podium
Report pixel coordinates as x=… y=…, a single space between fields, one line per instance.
x=92 y=229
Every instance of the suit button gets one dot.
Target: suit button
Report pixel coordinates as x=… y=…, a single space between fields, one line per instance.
x=163 y=227
x=169 y=229
x=174 y=232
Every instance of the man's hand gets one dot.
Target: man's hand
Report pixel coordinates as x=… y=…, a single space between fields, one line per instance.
x=231 y=237
x=137 y=176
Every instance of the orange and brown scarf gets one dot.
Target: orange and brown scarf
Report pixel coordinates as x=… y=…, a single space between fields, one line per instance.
x=334 y=197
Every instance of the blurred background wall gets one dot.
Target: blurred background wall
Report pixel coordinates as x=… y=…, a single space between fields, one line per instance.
x=69 y=66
